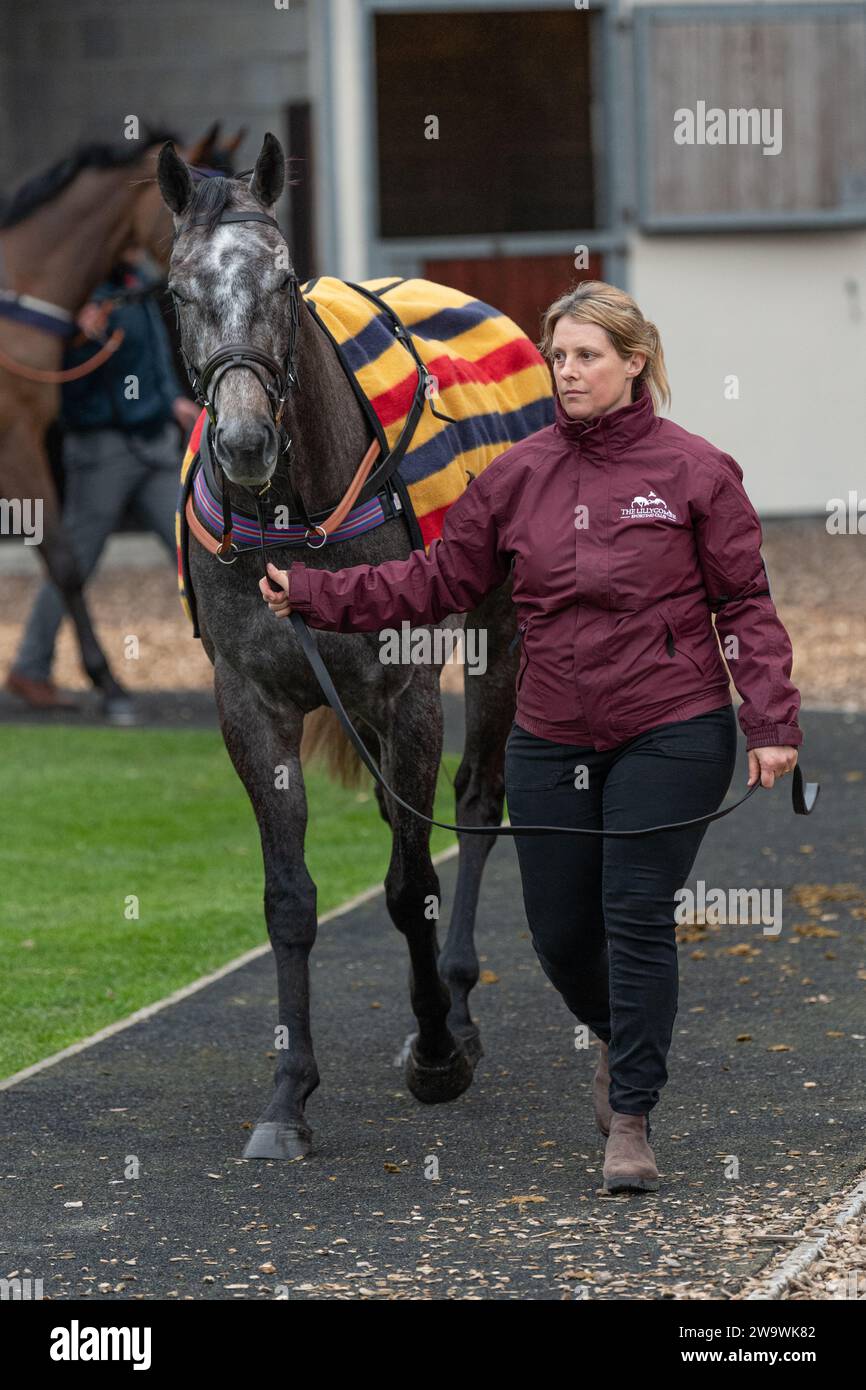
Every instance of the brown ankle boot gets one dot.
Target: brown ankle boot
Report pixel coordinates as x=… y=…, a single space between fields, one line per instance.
x=629 y=1162
x=600 y=1088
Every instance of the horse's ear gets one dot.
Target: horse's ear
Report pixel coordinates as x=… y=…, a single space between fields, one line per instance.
x=203 y=149
x=175 y=184
x=269 y=175
x=231 y=146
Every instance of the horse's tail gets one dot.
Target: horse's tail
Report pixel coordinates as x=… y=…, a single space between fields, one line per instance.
x=325 y=740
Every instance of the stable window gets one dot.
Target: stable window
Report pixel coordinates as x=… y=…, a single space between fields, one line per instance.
x=751 y=116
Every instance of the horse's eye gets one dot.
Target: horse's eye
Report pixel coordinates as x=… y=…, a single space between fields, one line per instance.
x=285 y=282
x=176 y=295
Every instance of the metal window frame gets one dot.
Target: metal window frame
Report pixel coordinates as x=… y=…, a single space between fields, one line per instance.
x=756 y=220
x=405 y=255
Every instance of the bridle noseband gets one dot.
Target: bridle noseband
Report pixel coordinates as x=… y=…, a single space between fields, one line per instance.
x=279 y=379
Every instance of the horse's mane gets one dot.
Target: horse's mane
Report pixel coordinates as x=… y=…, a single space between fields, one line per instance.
x=211 y=197
x=43 y=187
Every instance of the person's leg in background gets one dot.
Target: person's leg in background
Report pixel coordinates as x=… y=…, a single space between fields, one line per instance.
x=99 y=479
x=155 y=498
x=672 y=773
x=561 y=876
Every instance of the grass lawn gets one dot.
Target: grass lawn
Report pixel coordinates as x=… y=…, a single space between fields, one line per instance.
x=93 y=817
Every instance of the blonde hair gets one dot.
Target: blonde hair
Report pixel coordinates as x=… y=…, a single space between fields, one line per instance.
x=594 y=301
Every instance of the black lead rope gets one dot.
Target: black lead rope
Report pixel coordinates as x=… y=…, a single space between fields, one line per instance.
x=803 y=795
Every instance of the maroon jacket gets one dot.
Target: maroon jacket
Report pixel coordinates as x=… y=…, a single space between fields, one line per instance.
x=625 y=532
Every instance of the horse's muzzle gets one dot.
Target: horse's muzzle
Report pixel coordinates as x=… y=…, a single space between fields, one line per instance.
x=246 y=451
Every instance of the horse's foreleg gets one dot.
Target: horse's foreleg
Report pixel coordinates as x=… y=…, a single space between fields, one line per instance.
x=265 y=752
x=437 y=1067
x=479 y=795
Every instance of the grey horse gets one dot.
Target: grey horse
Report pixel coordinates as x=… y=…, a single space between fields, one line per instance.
x=231 y=285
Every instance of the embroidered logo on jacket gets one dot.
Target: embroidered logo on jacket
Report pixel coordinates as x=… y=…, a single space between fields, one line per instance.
x=651 y=505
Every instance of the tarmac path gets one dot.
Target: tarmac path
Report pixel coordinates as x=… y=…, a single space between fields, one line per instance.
x=495 y=1196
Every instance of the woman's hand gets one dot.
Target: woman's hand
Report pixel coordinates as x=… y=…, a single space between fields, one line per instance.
x=93 y=319
x=770 y=763
x=277 y=599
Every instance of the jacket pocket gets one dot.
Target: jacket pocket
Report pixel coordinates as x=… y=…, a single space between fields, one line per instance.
x=521 y=670
x=675 y=642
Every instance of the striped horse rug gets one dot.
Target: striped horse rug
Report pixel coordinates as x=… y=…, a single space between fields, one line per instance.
x=487 y=387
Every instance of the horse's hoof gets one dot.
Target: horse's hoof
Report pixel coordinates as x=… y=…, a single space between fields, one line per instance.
x=470 y=1039
x=272 y=1140
x=433 y=1085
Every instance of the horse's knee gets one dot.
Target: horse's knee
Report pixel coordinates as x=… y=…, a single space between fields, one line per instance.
x=290 y=911
x=414 y=901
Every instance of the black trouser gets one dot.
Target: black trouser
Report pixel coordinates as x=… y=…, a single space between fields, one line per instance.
x=601 y=911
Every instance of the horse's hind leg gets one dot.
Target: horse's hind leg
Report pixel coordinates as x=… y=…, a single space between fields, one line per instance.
x=265 y=752
x=480 y=791
x=437 y=1066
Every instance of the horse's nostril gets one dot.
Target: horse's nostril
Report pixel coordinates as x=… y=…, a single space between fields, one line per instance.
x=245 y=449
x=245 y=436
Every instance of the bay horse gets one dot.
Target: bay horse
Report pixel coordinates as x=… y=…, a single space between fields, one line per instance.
x=228 y=274
x=60 y=234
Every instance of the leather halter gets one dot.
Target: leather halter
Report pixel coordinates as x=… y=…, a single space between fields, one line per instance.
x=230 y=356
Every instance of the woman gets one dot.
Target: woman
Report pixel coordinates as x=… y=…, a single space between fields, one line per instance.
x=625 y=533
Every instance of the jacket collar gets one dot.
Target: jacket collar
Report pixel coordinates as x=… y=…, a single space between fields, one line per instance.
x=617 y=430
